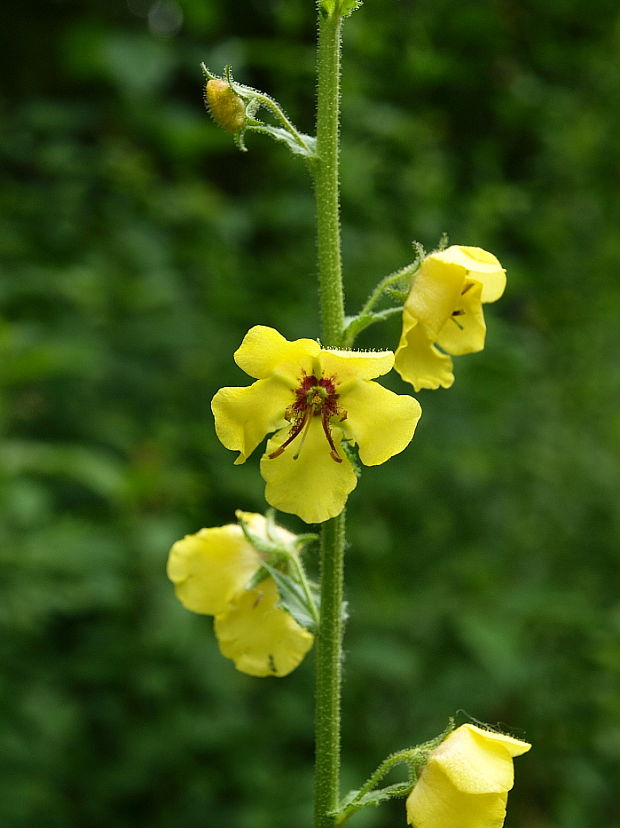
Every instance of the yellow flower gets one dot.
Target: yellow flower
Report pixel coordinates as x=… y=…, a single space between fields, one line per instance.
x=210 y=571
x=444 y=308
x=466 y=781
x=318 y=402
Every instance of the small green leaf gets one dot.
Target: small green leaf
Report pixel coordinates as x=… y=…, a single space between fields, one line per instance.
x=292 y=597
x=353 y=802
x=372 y=798
x=308 y=149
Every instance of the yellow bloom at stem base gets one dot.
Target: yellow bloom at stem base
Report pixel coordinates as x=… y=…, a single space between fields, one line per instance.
x=319 y=402
x=466 y=780
x=444 y=308
x=210 y=571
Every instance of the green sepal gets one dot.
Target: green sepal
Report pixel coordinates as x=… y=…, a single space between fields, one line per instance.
x=292 y=597
x=343 y=8
x=399 y=295
x=257 y=578
x=347 y=7
x=267 y=548
x=351 y=453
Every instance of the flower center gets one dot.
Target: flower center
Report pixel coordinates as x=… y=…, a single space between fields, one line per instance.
x=314 y=397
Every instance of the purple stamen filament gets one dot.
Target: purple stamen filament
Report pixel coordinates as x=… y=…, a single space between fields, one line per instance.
x=313 y=398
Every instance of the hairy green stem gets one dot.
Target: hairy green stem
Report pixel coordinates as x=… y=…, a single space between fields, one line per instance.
x=277 y=110
x=329 y=636
x=387 y=282
x=328 y=673
x=326 y=182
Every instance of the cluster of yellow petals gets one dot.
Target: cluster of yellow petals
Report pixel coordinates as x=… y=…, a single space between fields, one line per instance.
x=210 y=571
x=466 y=781
x=444 y=308
x=315 y=400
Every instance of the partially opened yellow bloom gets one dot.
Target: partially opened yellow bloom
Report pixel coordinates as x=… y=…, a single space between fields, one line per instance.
x=466 y=781
x=444 y=308
x=315 y=400
x=210 y=571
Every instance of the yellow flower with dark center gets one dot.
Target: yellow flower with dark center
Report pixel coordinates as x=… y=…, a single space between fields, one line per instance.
x=210 y=571
x=444 y=308
x=318 y=402
x=466 y=780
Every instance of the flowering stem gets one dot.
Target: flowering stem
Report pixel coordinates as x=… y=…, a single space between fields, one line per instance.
x=326 y=183
x=328 y=673
x=329 y=637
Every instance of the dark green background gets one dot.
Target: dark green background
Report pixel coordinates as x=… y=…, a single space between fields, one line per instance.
x=137 y=248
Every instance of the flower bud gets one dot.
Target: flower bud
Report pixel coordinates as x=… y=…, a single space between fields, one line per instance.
x=225 y=106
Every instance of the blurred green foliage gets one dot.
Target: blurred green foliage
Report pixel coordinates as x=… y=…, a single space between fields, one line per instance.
x=137 y=247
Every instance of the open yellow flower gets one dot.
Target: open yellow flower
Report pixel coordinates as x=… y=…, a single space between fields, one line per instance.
x=210 y=571
x=466 y=781
x=317 y=401
x=444 y=308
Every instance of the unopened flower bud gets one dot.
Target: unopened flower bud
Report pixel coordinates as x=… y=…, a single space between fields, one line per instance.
x=225 y=106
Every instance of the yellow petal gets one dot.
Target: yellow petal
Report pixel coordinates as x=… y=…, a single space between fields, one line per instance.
x=314 y=486
x=417 y=359
x=512 y=746
x=480 y=265
x=265 y=352
x=260 y=638
x=380 y=422
x=436 y=803
x=212 y=566
x=465 y=330
x=350 y=366
x=435 y=292
x=478 y=761
x=244 y=416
